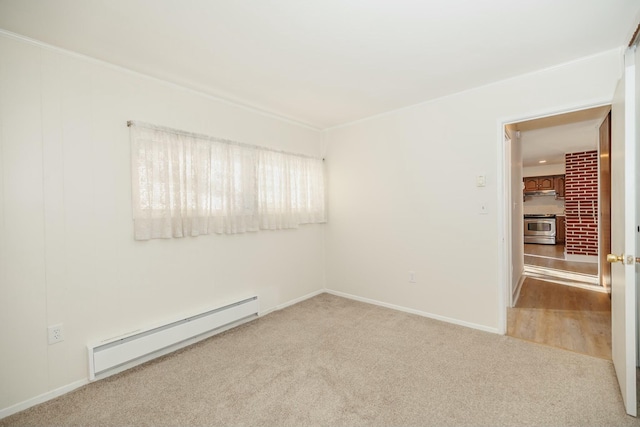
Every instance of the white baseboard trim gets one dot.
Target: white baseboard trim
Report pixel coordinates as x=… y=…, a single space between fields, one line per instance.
x=292 y=302
x=42 y=398
x=413 y=311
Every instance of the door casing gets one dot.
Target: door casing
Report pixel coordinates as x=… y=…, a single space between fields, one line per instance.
x=505 y=203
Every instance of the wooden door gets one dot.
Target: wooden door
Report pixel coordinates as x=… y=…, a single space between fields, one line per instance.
x=604 y=182
x=624 y=176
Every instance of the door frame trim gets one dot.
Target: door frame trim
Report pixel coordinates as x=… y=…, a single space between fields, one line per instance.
x=503 y=174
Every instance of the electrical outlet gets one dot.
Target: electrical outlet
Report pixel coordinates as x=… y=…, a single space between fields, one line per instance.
x=56 y=333
x=412 y=277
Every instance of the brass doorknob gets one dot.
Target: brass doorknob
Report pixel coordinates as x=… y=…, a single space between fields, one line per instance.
x=615 y=258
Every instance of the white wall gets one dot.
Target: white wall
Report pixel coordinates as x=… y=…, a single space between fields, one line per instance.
x=403 y=192
x=543 y=205
x=402 y=197
x=543 y=170
x=66 y=233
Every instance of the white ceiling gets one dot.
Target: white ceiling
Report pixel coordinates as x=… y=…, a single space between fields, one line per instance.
x=551 y=144
x=327 y=62
x=550 y=138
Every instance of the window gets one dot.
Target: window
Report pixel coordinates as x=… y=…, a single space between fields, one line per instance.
x=186 y=185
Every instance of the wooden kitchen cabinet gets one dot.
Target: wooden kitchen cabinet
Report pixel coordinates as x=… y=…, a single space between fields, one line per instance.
x=559 y=186
x=537 y=183
x=531 y=184
x=546 y=183
x=560 y=229
x=540 y=183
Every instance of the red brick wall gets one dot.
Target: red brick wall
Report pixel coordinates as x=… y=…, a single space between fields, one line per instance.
x=581 y=203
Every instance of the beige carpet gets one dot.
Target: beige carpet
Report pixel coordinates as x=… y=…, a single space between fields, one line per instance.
x=332 y=361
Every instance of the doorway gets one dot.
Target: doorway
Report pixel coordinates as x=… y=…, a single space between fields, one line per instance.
x=562 y=316
x=559 y=294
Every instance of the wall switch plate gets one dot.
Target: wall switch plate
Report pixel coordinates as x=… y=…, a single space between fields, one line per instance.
x=412 y=277
x=482 y=209
x=481 y=181
x=55 y=333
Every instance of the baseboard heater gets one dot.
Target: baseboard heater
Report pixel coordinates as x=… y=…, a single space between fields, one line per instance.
x=117 y=354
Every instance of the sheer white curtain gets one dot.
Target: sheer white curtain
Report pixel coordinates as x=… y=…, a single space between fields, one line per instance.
x=187 y=184
x=290 y=190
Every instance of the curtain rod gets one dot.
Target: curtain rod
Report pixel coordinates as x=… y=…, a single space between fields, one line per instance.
x=211 y=138
x=635 y=38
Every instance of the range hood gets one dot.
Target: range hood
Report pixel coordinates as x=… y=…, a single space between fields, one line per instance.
x=540 y=193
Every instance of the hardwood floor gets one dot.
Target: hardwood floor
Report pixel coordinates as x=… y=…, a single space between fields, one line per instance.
x=562 y=316
x=552 y=256
x=553 y=251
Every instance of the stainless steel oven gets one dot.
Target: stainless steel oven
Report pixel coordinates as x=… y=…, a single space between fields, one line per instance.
x=540 y=228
